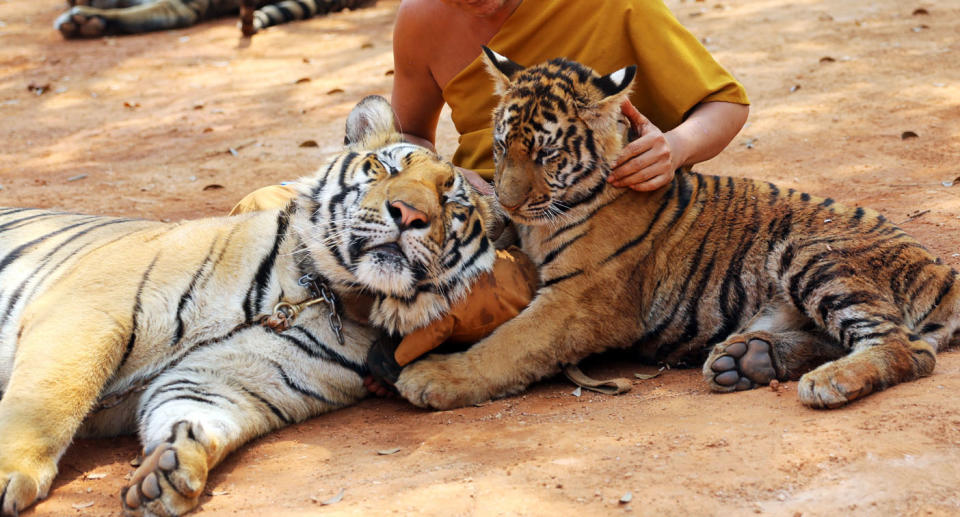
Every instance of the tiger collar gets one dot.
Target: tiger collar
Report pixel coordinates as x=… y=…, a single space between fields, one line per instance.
x=285 y=312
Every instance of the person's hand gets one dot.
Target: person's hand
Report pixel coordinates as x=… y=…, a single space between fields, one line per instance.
x=648 y=162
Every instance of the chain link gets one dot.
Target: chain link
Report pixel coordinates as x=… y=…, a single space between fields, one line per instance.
x=322 y=290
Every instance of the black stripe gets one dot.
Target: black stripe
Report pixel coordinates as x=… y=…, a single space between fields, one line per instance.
x=15 y=297
x=273 y=409
x=300 y=389
x=358 y=368
x=930 y=327
x=561 y=278
x=553 y=254
x=137 y=308
x=258 y=286
x=838 y=302
x=188 y=295
x=15 y=253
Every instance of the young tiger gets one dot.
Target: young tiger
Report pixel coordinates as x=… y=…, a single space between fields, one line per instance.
x=173 y=330
x=96 y=18
x=760 y=282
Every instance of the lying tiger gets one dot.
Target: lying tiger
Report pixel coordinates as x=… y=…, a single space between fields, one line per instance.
x=113 y=326
x=760 y=282
x=96 y=18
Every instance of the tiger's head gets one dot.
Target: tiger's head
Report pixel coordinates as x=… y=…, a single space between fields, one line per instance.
x=555 y=133
x=392 y=219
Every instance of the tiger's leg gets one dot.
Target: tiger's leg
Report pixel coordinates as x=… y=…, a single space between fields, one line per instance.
x=869 y=324
x=778 y=343
x=108 y=4
x=82 y=21
x=527 y=348
x=193 y=416
x=61 y=365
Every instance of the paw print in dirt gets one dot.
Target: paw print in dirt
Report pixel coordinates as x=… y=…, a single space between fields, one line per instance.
x=170 y=479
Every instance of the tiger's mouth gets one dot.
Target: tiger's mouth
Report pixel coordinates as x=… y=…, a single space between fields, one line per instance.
x=390 y=252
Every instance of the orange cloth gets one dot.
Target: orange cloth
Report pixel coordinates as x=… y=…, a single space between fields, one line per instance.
x=675 y=72
x=493 y=299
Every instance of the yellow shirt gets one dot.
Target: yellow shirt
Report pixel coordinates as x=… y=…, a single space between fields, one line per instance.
x=675 y=72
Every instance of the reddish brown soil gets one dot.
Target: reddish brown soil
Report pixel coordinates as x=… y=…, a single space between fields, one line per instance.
x=143 y=126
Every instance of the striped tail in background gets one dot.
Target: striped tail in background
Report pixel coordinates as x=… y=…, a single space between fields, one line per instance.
x=253 y=19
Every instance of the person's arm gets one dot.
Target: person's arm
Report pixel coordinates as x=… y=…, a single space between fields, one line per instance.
x=649 y=162
x=417 y=98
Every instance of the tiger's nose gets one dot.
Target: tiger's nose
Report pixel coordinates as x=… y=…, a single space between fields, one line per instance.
x=407 y=216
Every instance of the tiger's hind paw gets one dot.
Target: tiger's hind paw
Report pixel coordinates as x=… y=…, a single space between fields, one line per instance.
x=81 y=22
x=170 y=479
x=740 y=363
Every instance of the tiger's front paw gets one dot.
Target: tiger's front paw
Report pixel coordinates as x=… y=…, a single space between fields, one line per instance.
x=21 y=487
x=836 y=383
x=170 y=479
x=443 y=382
x=81 y=22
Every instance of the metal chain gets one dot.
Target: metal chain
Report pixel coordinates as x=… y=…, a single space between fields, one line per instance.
x=322 y=290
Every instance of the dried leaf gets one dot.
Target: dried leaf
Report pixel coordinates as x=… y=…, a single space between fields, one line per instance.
x=335 y=499
x=367 y=45
x=920 y=12
x=577 y=392
x=387 y=452
x=78 y=177
x=208 y=130
x=198 y=106
x=908 y=134
x=134 y=105
x=626 y=498
x=388 y=72
x=827 y=59
x=213 y=186
x=646 y=376
x=302 y=80
x=80 y=506
x=306 y=60
x=335 y=90
x=309 y=143
x=95 y=475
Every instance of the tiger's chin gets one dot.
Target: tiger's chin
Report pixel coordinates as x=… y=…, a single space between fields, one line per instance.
x=387 y=272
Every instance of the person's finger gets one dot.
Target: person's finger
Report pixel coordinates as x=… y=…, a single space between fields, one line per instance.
x=632 y=150
x=638 y=175
x=653 y=183
x=637 y=120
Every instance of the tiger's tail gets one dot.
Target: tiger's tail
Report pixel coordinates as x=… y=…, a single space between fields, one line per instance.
x=252 y=19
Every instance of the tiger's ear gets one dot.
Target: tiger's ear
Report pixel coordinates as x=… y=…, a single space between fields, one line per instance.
x=501 y=68
x=370 y=124
x=612 y=85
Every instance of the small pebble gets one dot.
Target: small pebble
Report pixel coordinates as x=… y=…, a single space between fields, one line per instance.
x=775 y=385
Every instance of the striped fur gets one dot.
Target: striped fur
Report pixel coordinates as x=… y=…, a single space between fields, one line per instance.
x=96 y=18
x=753 y=281
x=94 y=306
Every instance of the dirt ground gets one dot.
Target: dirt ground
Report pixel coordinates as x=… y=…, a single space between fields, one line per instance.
x=856 y=100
